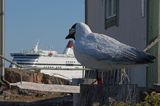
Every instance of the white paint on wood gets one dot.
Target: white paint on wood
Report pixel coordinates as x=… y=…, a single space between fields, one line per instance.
x=47 y=87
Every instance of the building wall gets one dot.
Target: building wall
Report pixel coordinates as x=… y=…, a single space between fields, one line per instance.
x=153 y=26
x=131 y=28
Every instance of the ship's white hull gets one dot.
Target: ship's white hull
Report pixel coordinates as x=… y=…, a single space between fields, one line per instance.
x=65 y=74
x=50 y=62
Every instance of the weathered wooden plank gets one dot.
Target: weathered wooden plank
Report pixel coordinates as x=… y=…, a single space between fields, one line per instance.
x=93 y=95
x=47 y=87
x=103 y=95
x=124 y=92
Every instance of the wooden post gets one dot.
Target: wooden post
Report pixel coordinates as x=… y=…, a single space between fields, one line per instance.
x=93 y=95
x=1 y=37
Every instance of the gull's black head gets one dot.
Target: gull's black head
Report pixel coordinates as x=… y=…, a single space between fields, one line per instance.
x=72 y=32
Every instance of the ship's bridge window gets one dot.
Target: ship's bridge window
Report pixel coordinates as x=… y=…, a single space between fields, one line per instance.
x=70 y=62
x=58 y=67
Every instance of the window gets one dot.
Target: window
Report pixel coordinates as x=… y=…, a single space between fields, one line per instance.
x=111 y=13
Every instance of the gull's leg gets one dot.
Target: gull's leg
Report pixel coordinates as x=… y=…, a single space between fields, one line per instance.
x=99 y=78
x=124 y=75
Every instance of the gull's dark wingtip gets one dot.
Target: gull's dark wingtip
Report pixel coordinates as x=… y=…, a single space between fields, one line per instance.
x=142 y=57
x=151 y=58
x=146 y=59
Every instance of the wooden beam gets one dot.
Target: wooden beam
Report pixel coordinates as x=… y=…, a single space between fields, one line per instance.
x=1 y=37
x=47 y=87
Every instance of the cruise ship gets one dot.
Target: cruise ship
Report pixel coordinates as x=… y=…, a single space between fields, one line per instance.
x=63 y=65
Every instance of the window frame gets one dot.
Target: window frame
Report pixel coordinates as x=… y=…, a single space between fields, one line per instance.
x=111 y=13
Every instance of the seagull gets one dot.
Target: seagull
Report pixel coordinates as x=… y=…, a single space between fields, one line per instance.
x=102 y=52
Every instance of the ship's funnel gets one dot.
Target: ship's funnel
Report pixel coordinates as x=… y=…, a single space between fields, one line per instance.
x=69 y=48
x=70 y=44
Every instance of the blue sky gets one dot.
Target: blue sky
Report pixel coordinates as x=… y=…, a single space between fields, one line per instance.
x=27 y=21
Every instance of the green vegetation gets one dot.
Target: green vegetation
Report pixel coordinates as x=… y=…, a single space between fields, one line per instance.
x=152 y=99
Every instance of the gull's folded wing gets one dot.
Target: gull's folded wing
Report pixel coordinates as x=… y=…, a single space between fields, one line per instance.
x=105 y=48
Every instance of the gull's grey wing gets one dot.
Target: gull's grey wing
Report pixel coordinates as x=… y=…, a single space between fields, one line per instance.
x=105 y=48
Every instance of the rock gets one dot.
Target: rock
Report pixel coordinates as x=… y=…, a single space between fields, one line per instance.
x=14 y=75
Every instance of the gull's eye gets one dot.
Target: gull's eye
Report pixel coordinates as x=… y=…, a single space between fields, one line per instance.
x=71 y=31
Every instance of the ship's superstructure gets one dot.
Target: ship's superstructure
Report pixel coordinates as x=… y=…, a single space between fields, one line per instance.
x=50 y=62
